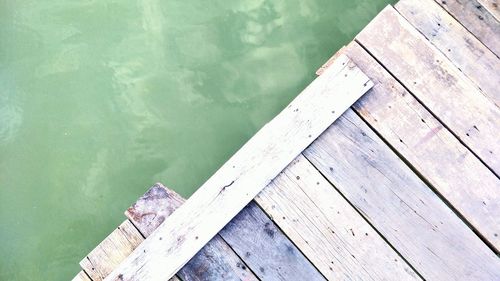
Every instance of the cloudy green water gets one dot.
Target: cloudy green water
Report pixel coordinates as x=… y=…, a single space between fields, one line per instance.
x=100 y=99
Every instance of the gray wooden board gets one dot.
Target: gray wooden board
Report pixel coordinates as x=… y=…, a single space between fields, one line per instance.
x=101 y=261
x=473 y=16
x=327 y=230
x=159 y=202
x=399 y=205
x=245 y=174
x=265 y=249
x=431 y=149
x=436 y=82
x=492 y=7
x=215 y=261
x=463 y=49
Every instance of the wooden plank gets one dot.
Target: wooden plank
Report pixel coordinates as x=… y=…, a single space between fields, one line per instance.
x=211 y=263
x=462 y=48
x=436 y=82
x=215 y=261
x=492 y=7
x=333 y=236
x=265 y=249
x=101 y=261
x=81 y=276
x=399 y=205
x=430 y=148
x=152 y=208
x=477 y=20
x=238 y=181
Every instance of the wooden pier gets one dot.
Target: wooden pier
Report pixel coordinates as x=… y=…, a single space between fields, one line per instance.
x=386 y=167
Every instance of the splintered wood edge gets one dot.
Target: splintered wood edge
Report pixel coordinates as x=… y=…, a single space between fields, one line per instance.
x=329 y=61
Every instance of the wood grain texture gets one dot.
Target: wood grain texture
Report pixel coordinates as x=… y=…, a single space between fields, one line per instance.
x=399 y=205
x=81 y=276
x=101 y=261
x=430 y=148
x=265 y=249
x=238 y=181
x=473 y=16
x=462 y=48
x=152 y=208
x=333 y=236
x=215 y=261
x=492 y=7
x=436 y=82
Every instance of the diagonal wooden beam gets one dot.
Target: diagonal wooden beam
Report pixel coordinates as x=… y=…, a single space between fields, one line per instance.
x=240 y=179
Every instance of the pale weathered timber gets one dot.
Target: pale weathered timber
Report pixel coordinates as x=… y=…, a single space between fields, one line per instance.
x=436 y=82
x=456 y=174
x=473 y=16
x=275 y=257
x=238 y=181
x=462 y=48
x=492 y=7
x=101 y=261
x=333 y=236
x=399 y=205
x=215 y=261
x=81 y=276
x=265 y=249
x=328 y=62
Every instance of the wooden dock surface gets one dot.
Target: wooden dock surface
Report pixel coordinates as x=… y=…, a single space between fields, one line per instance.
x=385 y=168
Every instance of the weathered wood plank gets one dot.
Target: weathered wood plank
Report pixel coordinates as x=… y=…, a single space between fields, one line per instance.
x=333 y=236
x=492 y=7
x=399 y=205
x=101 y=261
x=462 y=48
x=476 y=19
x=152 y=208
x=215 y=261
x=436 y=82
x=238 y=181
x=430 y=148
x=81 y=276
x=265 y=249
x=258 y=253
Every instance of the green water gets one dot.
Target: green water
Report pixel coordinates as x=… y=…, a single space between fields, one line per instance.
x=100 y=99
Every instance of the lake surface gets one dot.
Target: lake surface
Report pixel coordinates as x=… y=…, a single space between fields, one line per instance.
x=101 y=99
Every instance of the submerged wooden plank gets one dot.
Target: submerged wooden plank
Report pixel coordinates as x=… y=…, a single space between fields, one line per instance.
x=399 y=205
x=492 y=7
x=265 y=249
x=456 y=174
x=436 y=82
x=101 y=261
x=476 y=19
x=215 y=261
x=234 y=185
x=462 y=48
x=333 y=236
